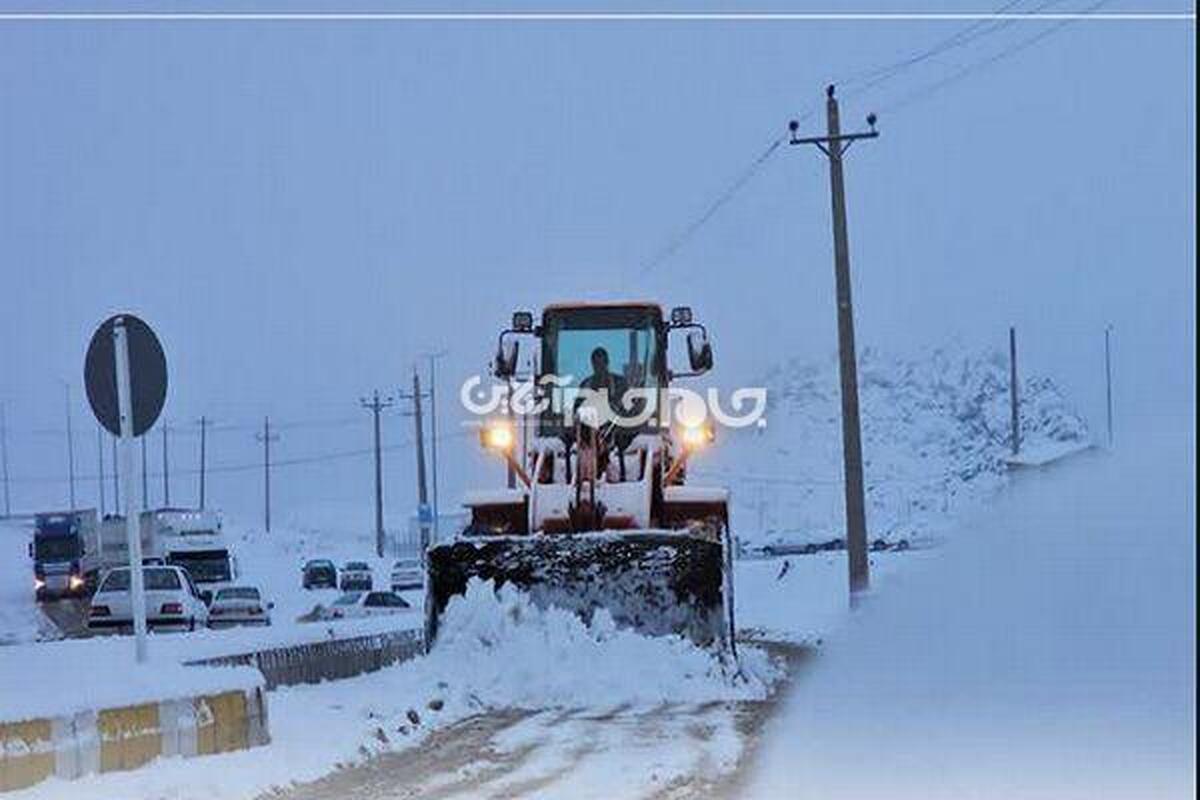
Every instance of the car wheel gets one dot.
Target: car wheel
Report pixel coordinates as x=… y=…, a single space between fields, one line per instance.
x=192 y=624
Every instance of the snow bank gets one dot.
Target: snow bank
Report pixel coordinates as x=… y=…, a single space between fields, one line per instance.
x=39 y=690
x=935 y=443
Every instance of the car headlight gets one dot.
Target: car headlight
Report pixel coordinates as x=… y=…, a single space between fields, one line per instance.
x=76 y=582
x=38 y=583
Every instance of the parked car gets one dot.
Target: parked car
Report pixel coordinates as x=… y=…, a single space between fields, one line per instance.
x=239 y=605
x=172 y=600
x=407 y=574
x=320 y=573
x=353 y=605
x=356 y=577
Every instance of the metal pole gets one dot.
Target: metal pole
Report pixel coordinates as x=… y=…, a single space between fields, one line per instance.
x=132 y=532
x=145 y=474
x=1014 y=399
x=70 y=448
x=1108 y=381
x=4 y=459
x=166 y=469
x=100 y=461
x=856 y=520
x=203 y=431
x=116 y=479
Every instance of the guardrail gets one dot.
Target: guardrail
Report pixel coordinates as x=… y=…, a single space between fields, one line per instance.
x=327 y=660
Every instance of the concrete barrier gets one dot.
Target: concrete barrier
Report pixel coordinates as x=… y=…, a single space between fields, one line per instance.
x=113 y=739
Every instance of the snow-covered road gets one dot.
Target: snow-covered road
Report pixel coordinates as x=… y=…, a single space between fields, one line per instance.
x=1048 y=654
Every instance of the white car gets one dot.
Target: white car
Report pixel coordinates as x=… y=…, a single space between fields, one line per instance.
x=238 y=605
x=172 y=600
x=353 y=605
x=407 y=574
x=356 y=577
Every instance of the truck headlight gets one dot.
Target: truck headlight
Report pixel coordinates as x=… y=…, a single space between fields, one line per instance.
x=38 y=583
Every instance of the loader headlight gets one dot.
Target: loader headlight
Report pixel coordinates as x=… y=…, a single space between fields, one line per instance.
x=497 y=435
x=697 y=436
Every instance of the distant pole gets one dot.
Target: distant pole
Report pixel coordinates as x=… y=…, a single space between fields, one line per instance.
x=166 y=467
x=433 y=432
x=100 y=461
x=4 y=459
x=422 y=492
x=70 y=448
x=376 y=405
x=266 y=437
x=1014 y=399
x=145 y=474
x=834 y=145
x=1108 y=380
x=203 y=432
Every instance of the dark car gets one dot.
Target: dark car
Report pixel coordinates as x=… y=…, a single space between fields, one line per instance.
x=320 y=573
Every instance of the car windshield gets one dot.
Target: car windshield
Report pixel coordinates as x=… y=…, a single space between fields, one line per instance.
x=409 y=563
x=57 y=548
x=238 y=593
x=155 y=579
x=629 y=339
x=348 y=599
x=319 y=565
x=357 y=566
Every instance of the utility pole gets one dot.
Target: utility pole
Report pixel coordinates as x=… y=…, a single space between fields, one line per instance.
x=1108 y=380
x=834 y=145
x=1014 y=399
x=4 y=459
x=100 y=461
x=70 y=448
x=166 y=469
x=376 y=405
x=266 y=437
x=433 y=432
x=423 y=510
x=145 y=475
x=203 y=431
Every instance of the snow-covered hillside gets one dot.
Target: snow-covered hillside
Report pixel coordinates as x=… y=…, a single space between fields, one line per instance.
x=935 y=436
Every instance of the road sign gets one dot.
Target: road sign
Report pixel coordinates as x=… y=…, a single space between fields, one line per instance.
x=148 y=375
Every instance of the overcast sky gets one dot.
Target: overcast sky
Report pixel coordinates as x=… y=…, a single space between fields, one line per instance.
x=301 y=209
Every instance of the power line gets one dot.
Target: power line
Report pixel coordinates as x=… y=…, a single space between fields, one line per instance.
x=972 y=68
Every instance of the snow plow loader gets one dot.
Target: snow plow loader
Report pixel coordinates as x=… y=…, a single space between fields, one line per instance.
x=598 y=512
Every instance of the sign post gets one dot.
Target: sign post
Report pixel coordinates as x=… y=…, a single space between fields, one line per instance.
x=133 y=533
x=126 y=376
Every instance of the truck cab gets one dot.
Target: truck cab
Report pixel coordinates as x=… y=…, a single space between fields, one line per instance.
x=193 y=539
x=59 y=550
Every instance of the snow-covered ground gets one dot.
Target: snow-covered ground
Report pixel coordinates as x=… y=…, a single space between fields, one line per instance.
x=1051 y=654
x=935 y=440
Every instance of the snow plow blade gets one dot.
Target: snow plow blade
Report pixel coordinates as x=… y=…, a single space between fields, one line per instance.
x=654 y=582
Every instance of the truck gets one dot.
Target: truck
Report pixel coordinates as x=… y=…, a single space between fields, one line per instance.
x=192 y=539
x=63 y=551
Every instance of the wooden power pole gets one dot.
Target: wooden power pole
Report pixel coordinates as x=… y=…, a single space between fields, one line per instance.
x=834 y=145
x=1014 y=396
x=423 y=510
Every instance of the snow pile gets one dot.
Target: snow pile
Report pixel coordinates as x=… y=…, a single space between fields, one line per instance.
x=935 y=441
x=505 y=651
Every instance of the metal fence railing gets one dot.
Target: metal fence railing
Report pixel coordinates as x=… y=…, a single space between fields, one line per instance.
x=329 y=660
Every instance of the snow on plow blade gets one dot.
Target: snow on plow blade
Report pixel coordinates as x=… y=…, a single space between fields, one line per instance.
x=655 y=582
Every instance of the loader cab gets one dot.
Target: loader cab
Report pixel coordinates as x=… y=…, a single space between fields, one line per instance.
x=633 y=339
